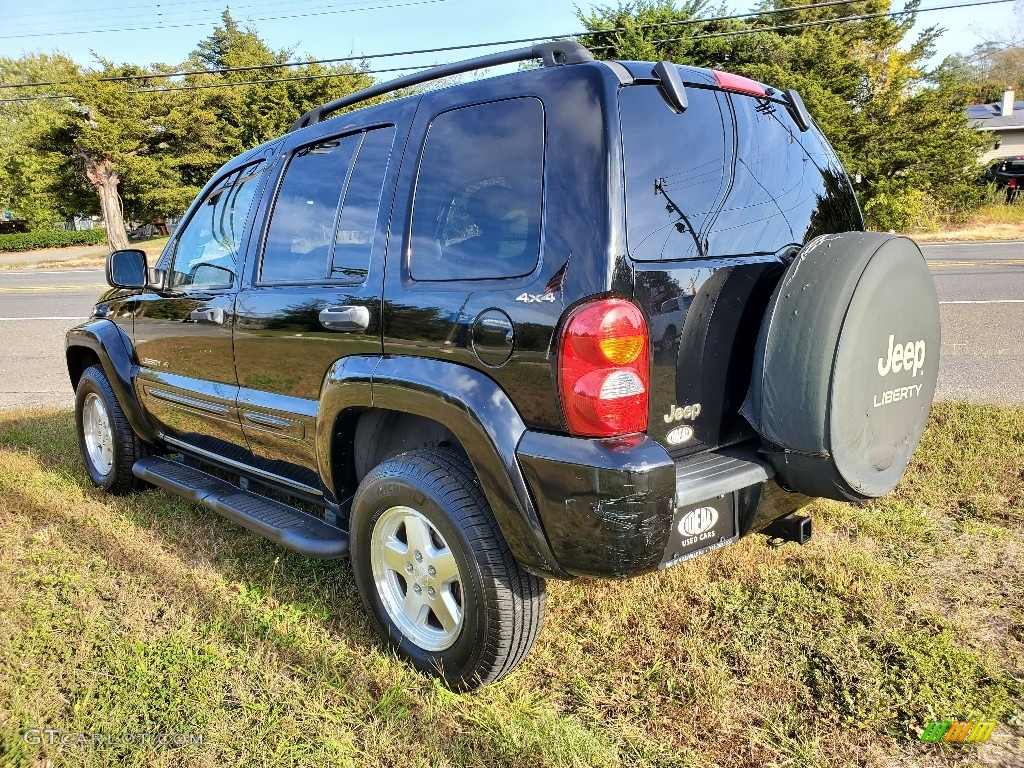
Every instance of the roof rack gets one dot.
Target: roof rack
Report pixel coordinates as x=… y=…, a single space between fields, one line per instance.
x=552 y=54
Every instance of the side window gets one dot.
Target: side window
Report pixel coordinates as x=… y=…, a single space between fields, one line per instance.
x=358 y=223
x=206 y=251
x=477 y=210
x=298 y=242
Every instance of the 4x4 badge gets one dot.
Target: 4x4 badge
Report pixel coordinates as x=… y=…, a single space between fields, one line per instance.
x=535 y=298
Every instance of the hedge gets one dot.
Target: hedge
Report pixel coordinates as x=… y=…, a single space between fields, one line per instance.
x=30 y=241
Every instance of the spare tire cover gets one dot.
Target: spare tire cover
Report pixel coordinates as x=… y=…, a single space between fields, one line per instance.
x=846 y=365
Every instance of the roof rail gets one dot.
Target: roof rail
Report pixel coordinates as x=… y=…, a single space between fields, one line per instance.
x=552 y=54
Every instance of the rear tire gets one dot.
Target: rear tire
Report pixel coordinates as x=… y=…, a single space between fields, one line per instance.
x=435 y=573
x=108 y=444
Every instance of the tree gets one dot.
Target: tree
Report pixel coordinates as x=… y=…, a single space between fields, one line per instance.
x=902 y=128
x=30 y=178
x=140 y=148
x=123 y=141
x=997 y=63
x=256 y=105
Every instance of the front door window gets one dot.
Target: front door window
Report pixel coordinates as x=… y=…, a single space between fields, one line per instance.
x=206 y=253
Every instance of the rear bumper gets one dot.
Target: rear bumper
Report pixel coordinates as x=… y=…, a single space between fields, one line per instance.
x=614 y=508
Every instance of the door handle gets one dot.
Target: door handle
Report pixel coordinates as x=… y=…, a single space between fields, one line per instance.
x=214 y=315
x=345 y=318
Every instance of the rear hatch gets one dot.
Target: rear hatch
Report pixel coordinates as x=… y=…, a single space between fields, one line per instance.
x=717 y=198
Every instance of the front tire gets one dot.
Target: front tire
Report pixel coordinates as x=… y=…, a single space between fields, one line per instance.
x=108 y=444
x=436 y=575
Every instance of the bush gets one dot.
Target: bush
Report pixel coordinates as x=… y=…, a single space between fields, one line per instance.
x=30 y=241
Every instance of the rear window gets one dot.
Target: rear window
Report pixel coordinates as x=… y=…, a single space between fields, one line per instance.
x=1012 y=166
x=727 y=177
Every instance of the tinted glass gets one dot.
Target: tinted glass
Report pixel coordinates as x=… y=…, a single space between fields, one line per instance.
x=298 y=243
x=358 y=223
x=206 y=251
x=775 y=189
x=727 y=177
x=478 y=193
x=1013 y=166
x=838 y=210
x=675 y=171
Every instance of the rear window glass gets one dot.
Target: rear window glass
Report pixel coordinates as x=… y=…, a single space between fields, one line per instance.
x=1013 y=166
x=727 y=177
x=676 y=174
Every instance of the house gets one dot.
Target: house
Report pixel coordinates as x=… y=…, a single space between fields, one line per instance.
x=1005 y=122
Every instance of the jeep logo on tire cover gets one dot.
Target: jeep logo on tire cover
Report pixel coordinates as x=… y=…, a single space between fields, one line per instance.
x=908 y=357
x=696 y=521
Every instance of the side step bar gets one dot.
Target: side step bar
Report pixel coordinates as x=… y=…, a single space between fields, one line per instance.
x=285 y=525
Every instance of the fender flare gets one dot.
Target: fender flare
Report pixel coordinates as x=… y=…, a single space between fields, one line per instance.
x=109 y=343
x=476 y=410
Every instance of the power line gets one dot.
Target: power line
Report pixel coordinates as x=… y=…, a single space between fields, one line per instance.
x=205 y=23
x=446 y=49
x=823 y=22
x=170 y=19
x=819 y=22
x=230 y=84
x=150 y=8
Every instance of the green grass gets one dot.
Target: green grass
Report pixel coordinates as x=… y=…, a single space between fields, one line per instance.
x=147 y=614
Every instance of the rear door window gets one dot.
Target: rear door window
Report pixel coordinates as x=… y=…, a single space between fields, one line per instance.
x=298 y=242
x=324 y=219
x=359 y=210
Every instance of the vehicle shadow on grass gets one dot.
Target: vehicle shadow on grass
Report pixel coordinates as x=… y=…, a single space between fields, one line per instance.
x=240 y=578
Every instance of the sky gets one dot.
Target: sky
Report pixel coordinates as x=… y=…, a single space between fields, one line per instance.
x=144 y=31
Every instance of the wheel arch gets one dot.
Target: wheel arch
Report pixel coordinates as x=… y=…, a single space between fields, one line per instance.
x=102 y=342
x=461 y=402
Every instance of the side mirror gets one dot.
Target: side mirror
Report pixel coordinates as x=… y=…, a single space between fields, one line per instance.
x=127 y=268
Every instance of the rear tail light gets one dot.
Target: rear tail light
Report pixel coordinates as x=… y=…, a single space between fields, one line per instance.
x=1012 y=183
x=603 y=369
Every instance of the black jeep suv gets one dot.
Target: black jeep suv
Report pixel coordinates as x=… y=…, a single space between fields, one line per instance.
x=419 y=334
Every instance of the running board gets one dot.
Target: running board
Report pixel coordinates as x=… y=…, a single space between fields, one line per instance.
x=285 y=525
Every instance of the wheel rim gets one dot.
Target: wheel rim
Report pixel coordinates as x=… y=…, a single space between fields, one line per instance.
x=99 y=440
x=417 y=578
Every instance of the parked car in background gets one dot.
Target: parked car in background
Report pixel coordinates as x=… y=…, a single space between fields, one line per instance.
x=12 y=226
x=1007 y=174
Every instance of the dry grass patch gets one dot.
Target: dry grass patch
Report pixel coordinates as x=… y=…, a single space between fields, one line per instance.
x=995 y=221
x=148 y=614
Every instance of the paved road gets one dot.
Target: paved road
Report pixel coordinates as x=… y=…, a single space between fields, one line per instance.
x=36 y=308
x=981 y=290
x=980 y=286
